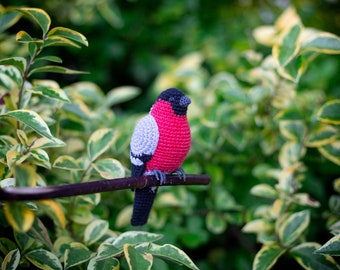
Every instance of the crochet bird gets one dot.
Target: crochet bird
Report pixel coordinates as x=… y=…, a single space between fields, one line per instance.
x=159 y=144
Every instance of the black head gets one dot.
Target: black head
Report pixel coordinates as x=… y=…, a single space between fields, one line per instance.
x=179 y=102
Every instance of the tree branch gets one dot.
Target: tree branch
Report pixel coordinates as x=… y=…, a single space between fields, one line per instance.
x=49 y=192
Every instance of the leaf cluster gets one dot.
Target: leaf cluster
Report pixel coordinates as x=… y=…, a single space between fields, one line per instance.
x=52 y=135
x=260 y=125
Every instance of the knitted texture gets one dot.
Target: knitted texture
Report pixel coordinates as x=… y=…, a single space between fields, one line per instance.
x=160 y=142
x=144 y=198
x=174 y=138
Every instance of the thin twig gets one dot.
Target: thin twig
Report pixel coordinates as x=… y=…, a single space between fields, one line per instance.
x=49 y=192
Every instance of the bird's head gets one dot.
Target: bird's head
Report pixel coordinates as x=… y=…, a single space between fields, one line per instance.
x=179 y=102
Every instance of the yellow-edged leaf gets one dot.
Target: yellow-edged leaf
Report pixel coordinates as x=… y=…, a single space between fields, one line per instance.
x=19 y=216
x=99 y=142
x=136 y=258
x=109 y=168
x=323 y=43
x=25 y=175
x=54 y=210
x=39 y=16
x=69 y=34
x=331 y=151
x=267 y=257
x=66 y=163
x=322 y=134
x=330 y=112
x=287 y=19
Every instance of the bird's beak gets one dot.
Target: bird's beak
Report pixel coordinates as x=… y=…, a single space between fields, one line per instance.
x=184 y=101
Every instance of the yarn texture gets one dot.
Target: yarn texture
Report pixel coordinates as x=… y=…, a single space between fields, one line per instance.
x=160 y=143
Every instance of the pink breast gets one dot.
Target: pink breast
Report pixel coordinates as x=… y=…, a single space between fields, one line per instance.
x=174 y=139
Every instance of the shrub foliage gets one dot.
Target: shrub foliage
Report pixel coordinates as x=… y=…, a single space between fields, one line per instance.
x=268 y=139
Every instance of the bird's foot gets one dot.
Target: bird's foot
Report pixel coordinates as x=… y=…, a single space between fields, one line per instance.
x=160 y=176
x=181 y=174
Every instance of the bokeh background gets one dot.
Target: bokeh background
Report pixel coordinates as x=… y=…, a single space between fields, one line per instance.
x=140 y=43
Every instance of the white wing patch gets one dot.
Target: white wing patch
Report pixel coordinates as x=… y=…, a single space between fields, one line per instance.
x=144 y=139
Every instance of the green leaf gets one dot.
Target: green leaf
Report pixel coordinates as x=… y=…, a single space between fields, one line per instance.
x=23 y=36
x=55 y=69
x=294 y=69
x=215 y=222
x=69 y=34
x=11 y=260
x=51 y=58
x=24 y=241
x=6 y=245
x=107 y=250
x=321 y=134
x=44 y=259
x=33 y=48
x=285 y=50
x=323 y=43
x=40 y=157
x=293 y=129
x=331 y=247
x=39 y=16
x=331 y=151
x=258 y=226
x=50 y=92
x=336 y=185
x=99 y=142
x=109 y=168
x=168 y=252
x=54 y=210
x=76 y=112
x=8 y=17
x=33 y=120
x=25 y=175
x=137 y=259
x=14 y=157
x=134 y=238
x=223 y=200
x=95 y=230
x=10 y=77
x=59 y=41
x=19 y=62
x=93 y=199
x=264 y=191
x=290 y=153
x=88 y=92
x=293 y=227
x=330 y=112
x=19 y=216
x=76 y=254
x=47 y=143
x=66 y=163
x=267 y=257
x=121 y=94
x=305 y=255
x=107 y=264
x=38 y=233
x=82 y=215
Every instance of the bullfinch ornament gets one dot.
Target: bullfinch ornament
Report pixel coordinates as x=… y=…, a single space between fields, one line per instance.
x=159 y=144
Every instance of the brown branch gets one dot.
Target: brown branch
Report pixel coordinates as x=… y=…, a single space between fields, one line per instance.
x=49 y=192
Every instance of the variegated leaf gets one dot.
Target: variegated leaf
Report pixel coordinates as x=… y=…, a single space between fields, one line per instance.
x=44 y=259
x=99 y=142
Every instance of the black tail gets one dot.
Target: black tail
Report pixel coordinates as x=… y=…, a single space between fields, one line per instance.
x=144 y=198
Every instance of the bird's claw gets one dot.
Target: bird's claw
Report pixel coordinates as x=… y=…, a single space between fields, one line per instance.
x=160 y=176
x=181 y=174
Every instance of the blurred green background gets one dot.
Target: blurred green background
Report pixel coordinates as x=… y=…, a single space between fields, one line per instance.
x=130 y=40
x=133 y=42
